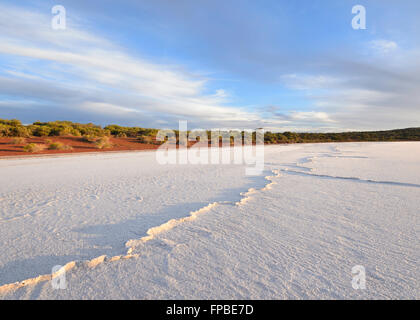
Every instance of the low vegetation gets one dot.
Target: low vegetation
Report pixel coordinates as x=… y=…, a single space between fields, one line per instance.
x=89 y=138
x=148 y=140
x=100 y=136
x=410 y=134
x=58 y=146
x=18 y=140
x=103 y=143
x=33 y=147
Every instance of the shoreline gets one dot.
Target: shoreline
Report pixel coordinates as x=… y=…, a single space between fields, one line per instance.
x=150 y=148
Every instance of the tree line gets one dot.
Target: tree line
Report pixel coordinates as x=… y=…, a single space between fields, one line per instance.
x=15 y=128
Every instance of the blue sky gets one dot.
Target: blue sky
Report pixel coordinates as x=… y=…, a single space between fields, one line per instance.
x=281 y=65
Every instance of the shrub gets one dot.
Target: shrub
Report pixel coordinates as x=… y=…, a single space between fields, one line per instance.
x=103 y=143
x=89 y=138
x=145 y=139
x=13 y=122
x=61 y=130
x=18 y=140
x=76 y=133
x=32 y=147
x=152 y=140
x=41 y=131
x=121 y=135
x=13 y=128
x=4 y=130
x=58 y=146
x=19 y=131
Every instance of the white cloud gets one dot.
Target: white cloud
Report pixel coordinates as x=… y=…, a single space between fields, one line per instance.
x=364 y=92
x=310 y=115
x=78 y=61
x=106 y=108
x=383 y=46
x=80 y=71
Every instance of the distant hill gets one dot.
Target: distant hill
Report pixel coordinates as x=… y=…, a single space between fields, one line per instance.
x=409 y=134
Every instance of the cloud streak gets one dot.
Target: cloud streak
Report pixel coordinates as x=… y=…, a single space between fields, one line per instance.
x=101 y=79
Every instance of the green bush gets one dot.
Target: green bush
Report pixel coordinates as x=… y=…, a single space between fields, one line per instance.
x=13 y=128
x=58 y=146
x=92 y=133
x=18 y=140
x=12 y=123
x=89 y=138
x=61 y=131
x=32 y=147
x=121 y=135
x=19 y=131
x=4 y=130
x=145 y=139
x=75 y=133
x=103 y=143
x=40 y=131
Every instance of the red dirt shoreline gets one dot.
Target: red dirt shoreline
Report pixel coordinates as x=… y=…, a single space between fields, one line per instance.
x=8 y=149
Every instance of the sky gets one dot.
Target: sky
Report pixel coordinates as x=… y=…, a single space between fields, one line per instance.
x=279 y=65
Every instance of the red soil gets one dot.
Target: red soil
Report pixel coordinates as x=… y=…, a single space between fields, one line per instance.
x=7 y=148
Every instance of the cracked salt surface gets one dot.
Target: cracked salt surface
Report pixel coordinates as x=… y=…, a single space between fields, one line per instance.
x=294 y=234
